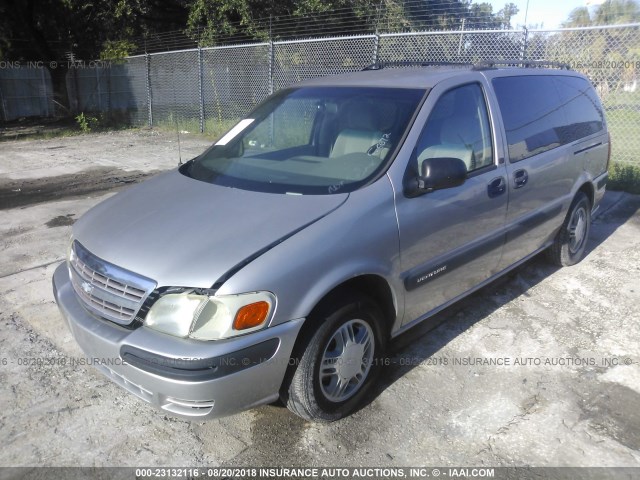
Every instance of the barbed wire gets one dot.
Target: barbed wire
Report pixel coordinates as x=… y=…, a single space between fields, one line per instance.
x=388 y=16
x=383 y=16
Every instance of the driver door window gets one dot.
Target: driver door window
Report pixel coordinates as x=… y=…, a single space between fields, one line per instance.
x=458 y=127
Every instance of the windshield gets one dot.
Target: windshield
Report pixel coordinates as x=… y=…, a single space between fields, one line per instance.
x=310 y=141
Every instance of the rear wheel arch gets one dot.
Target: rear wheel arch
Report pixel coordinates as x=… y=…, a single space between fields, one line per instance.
x=589 y=191
x=569 y=244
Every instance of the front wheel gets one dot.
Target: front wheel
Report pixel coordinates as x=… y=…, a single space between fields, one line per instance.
x=338 y=363
x=571 y=241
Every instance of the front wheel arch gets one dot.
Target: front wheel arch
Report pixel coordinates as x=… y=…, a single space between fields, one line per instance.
x=371 y=285
x=300 y=389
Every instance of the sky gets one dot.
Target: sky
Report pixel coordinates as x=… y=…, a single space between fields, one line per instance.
x=550 y=13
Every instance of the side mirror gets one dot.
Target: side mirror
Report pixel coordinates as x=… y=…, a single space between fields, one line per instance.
x=439 y=173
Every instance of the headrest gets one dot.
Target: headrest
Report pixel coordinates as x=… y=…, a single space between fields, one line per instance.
x=360 y=116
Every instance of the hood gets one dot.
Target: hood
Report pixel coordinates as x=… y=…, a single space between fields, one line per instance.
x=183 y=232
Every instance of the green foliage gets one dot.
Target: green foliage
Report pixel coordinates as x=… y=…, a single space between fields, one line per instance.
x=623 y=118
x=214 y=129
x=608 y=57
x=578 y=17
x=505 y=15
x=608 y=13
x=86 y=123
x=116 y=49
x=214 y=22
x=49 y=29
x=106 y=29
x=617 y=11
x=624 y=177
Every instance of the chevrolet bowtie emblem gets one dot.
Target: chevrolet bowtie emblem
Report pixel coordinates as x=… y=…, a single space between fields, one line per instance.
x=87 y=287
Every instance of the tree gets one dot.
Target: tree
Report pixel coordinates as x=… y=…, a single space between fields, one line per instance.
x=610 y=12
x=64 y=30
x=505 y=15
x=617 y=11
x=608 y=57
x=225 y=20
x=242 y=20
x=88 y=29
x=57 y=29
x=578 y=17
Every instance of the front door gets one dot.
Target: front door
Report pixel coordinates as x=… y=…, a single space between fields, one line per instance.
x=451 y=239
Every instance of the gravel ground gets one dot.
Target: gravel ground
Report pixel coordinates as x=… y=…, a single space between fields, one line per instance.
x=567 y=391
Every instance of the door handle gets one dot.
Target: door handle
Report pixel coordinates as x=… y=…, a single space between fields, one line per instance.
x=520 y=178
x=496 y=187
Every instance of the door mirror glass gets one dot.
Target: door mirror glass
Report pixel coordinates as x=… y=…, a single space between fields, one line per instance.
x=440 y=173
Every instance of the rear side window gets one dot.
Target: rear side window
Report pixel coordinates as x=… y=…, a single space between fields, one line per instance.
x=581 y=106
x=533 y=118
x=541 y=113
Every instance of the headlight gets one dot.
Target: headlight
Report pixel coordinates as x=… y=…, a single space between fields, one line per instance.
x=203 y=317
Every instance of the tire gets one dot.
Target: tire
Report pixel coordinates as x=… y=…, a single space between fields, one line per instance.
x=571 y=241
x=316 y=390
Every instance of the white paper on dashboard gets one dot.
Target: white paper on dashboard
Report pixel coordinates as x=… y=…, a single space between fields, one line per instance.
x=242 y=124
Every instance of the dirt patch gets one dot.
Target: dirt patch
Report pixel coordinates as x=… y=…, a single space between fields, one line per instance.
x=613 y=412
x=24 y=128
x=61 y=221
x=18 y=193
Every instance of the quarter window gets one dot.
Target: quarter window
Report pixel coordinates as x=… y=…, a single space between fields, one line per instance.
x=582 y=108
x=458 y=127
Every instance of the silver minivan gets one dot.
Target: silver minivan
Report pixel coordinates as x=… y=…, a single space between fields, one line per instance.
x=340 y=213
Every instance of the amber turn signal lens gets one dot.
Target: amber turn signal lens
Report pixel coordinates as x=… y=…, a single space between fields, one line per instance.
x=251 y=315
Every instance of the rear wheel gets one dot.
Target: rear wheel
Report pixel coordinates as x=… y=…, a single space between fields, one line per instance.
x=571 y=241
x=337 y=365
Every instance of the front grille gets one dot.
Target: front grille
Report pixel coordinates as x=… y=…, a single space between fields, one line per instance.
x=105 y=289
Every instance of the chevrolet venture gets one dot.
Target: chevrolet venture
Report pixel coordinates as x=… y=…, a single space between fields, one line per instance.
x=340 y=213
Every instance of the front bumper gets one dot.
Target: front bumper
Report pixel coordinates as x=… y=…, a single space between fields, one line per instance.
x=233 y=375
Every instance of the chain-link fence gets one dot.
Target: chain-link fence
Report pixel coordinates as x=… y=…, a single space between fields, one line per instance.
x=117 y=88
x=207 y=89
x=25 y=92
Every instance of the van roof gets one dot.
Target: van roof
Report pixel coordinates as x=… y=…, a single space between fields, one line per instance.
x=417 y=77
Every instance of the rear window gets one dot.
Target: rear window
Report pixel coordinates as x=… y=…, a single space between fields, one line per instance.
x=541 y=113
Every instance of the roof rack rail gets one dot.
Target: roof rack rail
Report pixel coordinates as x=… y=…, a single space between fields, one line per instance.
x=521 y=63
x=414 y=63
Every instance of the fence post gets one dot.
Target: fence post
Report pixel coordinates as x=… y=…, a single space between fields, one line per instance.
x=99 y=90
x=2 y=109
x=376 y=49
x=107 y=77
x=44 y=91
x=149 y=96
x=76 y=88
x=270 y=66
x=461 y=38
x=523 y=53
x=201 y=89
